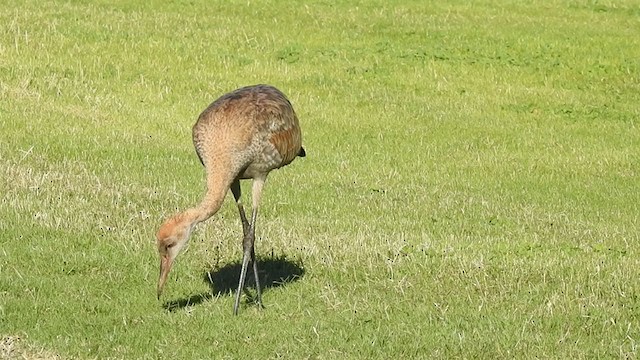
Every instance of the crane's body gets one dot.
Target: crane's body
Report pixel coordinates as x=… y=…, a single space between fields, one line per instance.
x=242 y=135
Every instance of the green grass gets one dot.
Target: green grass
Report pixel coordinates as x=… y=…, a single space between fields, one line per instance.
x=471 y=187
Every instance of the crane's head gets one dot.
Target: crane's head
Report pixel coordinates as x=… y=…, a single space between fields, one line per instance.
x=171 y=238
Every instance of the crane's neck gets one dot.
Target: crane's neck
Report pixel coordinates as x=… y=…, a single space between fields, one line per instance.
x=209 y=205
x=216 y=191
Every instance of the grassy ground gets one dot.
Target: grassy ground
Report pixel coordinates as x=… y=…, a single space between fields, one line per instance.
x=471 y=186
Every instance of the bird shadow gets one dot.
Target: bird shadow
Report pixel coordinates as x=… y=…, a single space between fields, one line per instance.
x=273 y=272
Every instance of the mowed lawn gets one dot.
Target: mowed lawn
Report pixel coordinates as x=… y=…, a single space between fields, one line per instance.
x=470 y=190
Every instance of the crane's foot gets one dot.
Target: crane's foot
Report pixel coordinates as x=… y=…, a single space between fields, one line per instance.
x=257 y=299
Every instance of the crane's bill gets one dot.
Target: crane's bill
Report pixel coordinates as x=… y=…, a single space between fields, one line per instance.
x=165 y=267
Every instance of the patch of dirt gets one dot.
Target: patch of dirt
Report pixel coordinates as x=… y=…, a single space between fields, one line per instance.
x=13 y=347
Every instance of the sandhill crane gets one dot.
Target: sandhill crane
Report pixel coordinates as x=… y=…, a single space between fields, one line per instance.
x=243 y=135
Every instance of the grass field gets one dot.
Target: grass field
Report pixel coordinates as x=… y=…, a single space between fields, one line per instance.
x=470 y=190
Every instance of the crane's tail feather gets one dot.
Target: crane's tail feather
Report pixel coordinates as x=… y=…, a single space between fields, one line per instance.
x=302 y=153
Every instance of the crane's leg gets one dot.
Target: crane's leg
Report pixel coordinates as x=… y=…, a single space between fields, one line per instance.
x=248 y=247
x=237 y=193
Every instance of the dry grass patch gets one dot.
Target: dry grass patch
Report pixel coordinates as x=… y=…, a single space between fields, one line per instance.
x=14 y=347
